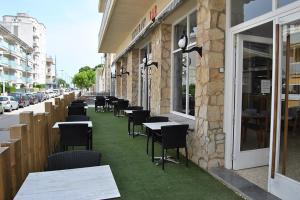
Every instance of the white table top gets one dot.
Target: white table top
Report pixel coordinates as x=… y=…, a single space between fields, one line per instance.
x=128 y=111
x=158 y=125
x=76 y=184
x=90 y=123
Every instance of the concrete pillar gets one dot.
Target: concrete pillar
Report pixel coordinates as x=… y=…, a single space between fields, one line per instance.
x=133 y=78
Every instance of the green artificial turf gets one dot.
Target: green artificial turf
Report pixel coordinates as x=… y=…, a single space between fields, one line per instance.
x=138 y=178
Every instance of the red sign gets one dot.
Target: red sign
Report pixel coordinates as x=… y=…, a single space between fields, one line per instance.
x=153 y=13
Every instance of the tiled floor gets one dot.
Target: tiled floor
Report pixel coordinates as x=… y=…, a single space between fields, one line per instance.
x=257 y=175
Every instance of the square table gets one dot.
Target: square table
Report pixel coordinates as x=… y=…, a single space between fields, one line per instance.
x=90 y=123
x=128 y=111
x=156 y=126
x=76 y=184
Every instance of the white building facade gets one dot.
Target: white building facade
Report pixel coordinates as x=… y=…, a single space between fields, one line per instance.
x=33 y=33
x=50 y=73
x=16 y=64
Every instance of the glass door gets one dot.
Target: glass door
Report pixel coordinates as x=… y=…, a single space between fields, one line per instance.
x=252 y=100
x=285 y=171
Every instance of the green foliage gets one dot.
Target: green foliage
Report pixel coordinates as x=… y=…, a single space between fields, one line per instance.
x=85 y=78
x=8 y=88
x=62 y=83
x=98 y=66
x=39 y=86
x=85 y=68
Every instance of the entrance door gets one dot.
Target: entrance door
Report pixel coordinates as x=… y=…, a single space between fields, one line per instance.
x=252 y=101
x=285 y=174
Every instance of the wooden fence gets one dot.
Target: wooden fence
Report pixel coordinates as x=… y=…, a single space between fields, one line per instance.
x=30 y=144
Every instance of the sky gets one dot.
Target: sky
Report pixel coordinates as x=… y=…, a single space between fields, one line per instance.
x=72 y=30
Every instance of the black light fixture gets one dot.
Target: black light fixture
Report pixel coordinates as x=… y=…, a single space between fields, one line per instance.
x=146 y=64
x=123 y=71
x=111 y=75
x=183 y=42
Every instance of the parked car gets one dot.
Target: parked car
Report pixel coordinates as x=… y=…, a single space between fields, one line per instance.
x=18 y=97
x=32 y=98
x=40 y=96
x=9 y=103
x=26 y=100
x=1 y=108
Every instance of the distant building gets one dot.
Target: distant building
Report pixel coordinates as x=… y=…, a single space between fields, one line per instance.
x=50 y=73
x=16 y=65
x=33 y=33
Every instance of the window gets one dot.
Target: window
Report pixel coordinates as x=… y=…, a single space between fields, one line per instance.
x=184 y=67
x=284 y=2
x=244 y=10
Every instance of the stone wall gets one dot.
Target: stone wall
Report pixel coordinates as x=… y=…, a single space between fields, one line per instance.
x=118 y=80
x=124 y=78
x=206 y=144
x=133 y=78
x=161 y=77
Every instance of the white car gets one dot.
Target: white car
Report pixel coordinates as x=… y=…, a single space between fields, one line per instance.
x=9 y=103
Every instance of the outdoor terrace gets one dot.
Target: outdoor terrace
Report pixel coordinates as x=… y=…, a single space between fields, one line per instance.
x=137 y=177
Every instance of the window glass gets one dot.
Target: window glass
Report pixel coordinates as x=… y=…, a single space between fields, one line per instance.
x=192 y=81
x=244 y=10
x=179 y=29
x=193 y=27
x=179 y=100
x=284 y=2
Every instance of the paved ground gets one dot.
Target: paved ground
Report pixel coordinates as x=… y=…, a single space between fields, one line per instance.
x=10 y=118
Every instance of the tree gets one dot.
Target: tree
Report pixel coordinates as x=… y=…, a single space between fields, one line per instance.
x=85 y=68
x=8 y=88
x=62 y=83
x=98 y=66
x=84 y=79
x=39 y=86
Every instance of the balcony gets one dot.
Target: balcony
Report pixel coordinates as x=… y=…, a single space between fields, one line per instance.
x=9 y=77
x=4 y=45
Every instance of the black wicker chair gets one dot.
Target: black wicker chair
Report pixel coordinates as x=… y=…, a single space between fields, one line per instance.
x=138 y=118
x=73 y=159
x=76 y=110
x=149 y=132
x=121 y=105
x=74 y=135
x=99 y=103
x=130 y=115
x=74 y=118
x=172 y=137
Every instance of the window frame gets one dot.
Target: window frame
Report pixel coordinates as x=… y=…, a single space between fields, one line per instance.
x=173 y=52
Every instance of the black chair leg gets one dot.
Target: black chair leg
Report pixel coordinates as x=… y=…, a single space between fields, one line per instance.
x=186 y=156
x=163 y=157
x=148 y=137
x=177 y=154
x=128 y=125
x=133 y=130
x=152 y=149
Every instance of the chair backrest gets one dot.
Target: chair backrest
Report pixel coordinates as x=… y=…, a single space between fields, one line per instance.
x=100 y=101
x=78 y=104
x=140 y=116
x=134 y=108
x=158 y=119
x=76 y=110
x=73 y=118
x=74 y=134
x=174 y=136
x=78 y=101
x=73 y=159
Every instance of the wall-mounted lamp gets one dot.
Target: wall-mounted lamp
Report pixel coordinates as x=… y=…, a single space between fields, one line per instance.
x=183 y=42
x=111 y=75
x=146 y=64
x=123 y=71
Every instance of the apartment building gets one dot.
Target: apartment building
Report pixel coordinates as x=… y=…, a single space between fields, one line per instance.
x=16 y=64
x=50 y=73
x=229 y=68
x=31 y=31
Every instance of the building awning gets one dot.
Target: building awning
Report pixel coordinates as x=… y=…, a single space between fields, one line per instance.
x=149 y=27
x=119 y=19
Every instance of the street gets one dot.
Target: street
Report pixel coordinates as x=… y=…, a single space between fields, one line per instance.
x=11 y=118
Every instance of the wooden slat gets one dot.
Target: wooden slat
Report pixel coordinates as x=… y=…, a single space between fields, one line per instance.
x=19 y=131
x=27 y=118
x=15 y=163
x=5 y=174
